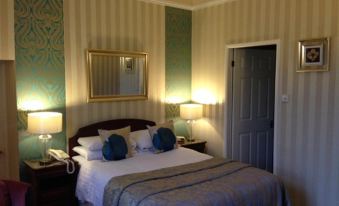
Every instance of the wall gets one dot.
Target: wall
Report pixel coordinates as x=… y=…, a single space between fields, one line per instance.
x=8 y=135
x=9 y=156
x=7 y=30
x=307 y=139
x=40 y=70
x=40 y=48
x=178 y=23
x=128 y=25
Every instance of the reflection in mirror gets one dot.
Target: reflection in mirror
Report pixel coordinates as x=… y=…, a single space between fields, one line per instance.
x=116 y=75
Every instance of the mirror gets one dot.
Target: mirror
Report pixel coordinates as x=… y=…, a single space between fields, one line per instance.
x=116 y=75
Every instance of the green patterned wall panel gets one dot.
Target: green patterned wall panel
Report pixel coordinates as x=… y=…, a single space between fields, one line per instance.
x=178 y=62
x=40 y=66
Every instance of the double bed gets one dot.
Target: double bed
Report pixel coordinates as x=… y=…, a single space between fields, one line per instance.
x=177 y=177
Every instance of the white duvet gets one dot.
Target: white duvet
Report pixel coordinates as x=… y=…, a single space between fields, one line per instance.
x=94 y=175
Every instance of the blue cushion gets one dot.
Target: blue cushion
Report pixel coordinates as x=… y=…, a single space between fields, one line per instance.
x=115 y=148
x=164 y=140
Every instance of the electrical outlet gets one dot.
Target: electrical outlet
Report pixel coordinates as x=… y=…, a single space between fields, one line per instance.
x=284 y=98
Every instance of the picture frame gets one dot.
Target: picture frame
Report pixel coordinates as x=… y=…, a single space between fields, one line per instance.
x=314 y=55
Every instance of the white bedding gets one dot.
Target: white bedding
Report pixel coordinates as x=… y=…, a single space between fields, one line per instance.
x=95 y=174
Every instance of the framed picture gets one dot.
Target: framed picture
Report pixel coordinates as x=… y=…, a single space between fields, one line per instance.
x=314 y=55
x=129 y=67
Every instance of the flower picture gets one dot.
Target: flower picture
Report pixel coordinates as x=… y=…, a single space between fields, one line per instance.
x=313 y=55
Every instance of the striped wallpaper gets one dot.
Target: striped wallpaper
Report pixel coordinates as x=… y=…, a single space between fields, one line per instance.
x=127 y=25
x=308 y=136
x=3 y=118
x=7 y=30
x=8 y=133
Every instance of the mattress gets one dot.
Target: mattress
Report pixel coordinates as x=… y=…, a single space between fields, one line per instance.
x=94 y=175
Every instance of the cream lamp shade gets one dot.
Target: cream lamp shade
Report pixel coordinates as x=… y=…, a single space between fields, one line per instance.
x=44 y=122
x=190 y=111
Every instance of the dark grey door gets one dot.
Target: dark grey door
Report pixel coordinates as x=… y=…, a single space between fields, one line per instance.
x=253 y=106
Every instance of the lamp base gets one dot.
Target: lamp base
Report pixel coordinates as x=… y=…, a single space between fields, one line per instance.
x=43 y=162
x=45 y=145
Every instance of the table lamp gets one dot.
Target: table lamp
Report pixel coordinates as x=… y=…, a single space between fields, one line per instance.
x=191 y=112
x=44 y=124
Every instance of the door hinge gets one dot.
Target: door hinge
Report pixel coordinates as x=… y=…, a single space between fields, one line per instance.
x=232 y=63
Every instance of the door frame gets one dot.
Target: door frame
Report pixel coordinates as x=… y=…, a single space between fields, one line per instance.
x=229 y=94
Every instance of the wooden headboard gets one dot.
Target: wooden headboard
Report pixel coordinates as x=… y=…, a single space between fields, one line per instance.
x=92 y=130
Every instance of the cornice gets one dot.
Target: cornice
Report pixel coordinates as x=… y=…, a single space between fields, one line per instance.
x=184 y=6
x=211 y=3
x=169 y=3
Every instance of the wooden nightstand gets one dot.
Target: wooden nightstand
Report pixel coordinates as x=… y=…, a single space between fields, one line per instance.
x=198 y=145
x=51 y=184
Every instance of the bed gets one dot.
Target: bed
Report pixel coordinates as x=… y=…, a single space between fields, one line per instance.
x=177 y=177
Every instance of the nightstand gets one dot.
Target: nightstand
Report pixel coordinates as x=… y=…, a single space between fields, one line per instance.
x=198 y=145
x=51 y=184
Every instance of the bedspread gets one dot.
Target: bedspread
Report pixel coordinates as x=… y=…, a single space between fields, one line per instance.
x=211 y=182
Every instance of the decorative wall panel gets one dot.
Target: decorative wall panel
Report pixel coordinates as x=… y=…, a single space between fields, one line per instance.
x=178 y=63
x=307 y=139
x=178 y=54
x=40 y=69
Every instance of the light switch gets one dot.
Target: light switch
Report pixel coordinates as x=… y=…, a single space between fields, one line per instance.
x=284 y=98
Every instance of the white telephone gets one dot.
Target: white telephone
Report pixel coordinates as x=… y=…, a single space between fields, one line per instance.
x=63 y=157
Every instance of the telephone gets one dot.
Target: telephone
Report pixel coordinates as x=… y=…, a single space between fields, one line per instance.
x=58 y=154
x=63 y=157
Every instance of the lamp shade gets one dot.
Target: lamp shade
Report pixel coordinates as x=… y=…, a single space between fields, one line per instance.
x=190 y=111
x=44 y=122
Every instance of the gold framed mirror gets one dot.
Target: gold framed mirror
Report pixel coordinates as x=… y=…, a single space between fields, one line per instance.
x=116 y=75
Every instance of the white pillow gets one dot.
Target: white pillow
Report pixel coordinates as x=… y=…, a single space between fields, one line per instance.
x=91 y=143
x=88 y=154
x=142 y=138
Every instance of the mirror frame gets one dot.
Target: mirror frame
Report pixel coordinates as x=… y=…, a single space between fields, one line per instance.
x=92 y=98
